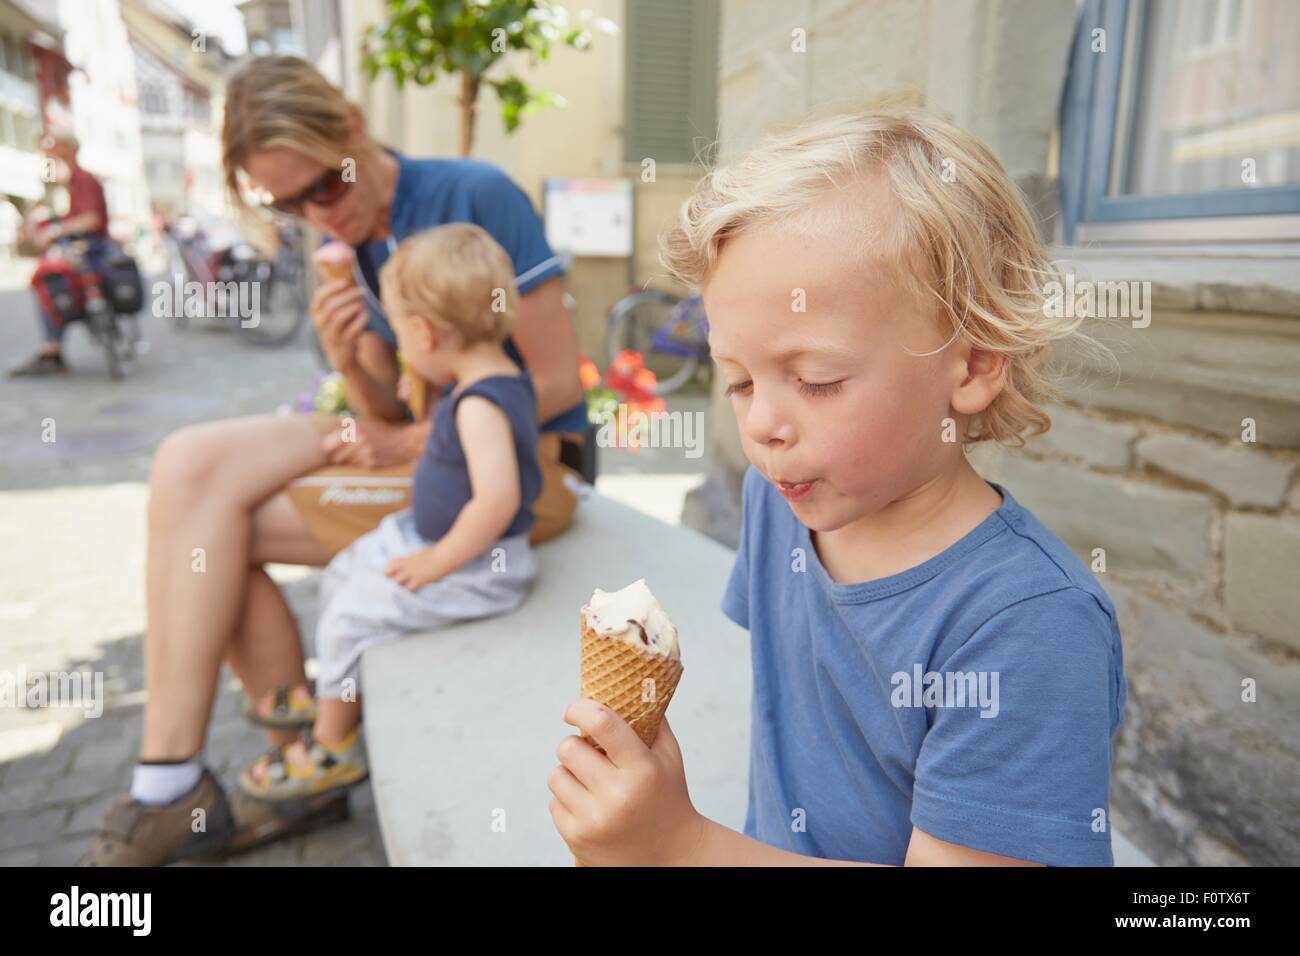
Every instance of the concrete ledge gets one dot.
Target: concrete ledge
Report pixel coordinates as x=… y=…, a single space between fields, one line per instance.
x=1195 y=281
x=462 y=725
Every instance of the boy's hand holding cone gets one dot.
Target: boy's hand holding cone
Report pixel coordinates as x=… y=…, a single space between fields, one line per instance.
x=620 y=792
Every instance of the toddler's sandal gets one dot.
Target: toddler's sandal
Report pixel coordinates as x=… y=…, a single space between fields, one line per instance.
x=329 y=771
x=291 y=708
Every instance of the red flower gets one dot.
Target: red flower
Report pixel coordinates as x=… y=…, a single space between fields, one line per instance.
x=588 y=374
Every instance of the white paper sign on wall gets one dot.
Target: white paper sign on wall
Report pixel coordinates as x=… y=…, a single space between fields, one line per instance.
x=589 y=217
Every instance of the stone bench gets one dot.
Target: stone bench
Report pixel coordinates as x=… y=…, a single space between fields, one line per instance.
x=462 y=725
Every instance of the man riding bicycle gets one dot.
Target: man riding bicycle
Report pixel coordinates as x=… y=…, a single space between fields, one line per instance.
x=87 y=219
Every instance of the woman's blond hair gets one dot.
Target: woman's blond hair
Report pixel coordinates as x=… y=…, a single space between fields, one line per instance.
x=457 y=277
x=283 y=102
x=963 y=235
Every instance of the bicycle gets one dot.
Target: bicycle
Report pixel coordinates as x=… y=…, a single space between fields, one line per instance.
x=236 y=278
x=107 y=298
x=670 y=333
x=281 y=283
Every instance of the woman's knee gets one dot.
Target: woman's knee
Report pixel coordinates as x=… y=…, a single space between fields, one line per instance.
x=183 y=466
x=238 y=462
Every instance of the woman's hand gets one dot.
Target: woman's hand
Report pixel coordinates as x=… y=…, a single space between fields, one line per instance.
x=371 y=443
x=628 y=806
x=338 y=311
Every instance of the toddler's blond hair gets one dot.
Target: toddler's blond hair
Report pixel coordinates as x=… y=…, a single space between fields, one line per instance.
x=962 y=234
x=456 y=277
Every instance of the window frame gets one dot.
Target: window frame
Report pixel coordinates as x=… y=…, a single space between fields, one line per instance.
x=1089 y=112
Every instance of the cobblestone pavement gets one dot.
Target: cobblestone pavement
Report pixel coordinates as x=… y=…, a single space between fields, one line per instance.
x=71 y=575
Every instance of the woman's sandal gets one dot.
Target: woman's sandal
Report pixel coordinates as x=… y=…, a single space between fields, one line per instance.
x=290 y=707
x=330 y=771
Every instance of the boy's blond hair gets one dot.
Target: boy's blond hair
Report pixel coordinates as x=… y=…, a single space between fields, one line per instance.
x=455 y=276
x=961 y=233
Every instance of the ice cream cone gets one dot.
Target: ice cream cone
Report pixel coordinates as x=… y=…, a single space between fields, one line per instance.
x=417 y=390
x=637 y=684
x=333 y=262
x=334 y=272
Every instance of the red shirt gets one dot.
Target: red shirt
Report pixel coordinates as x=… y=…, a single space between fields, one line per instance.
x=85 y=194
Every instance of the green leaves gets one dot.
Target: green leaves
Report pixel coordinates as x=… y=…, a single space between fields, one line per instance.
x=421 y=39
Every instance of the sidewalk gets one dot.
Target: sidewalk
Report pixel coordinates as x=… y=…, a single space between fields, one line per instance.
x=72 y=587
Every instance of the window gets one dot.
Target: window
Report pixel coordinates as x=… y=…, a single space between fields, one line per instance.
x=153 y=100
x=1182 y=109
x=671 y=58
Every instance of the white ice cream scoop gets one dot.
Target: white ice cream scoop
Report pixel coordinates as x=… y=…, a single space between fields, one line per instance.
x=632 y=615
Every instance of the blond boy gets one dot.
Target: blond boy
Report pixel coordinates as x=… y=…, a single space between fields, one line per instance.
x=937 y=678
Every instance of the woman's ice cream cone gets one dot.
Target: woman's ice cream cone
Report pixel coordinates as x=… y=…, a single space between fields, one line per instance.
x=333 y=262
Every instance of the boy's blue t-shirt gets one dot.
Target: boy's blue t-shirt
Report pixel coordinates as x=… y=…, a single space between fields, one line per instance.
x=847 y=751
x=433 y=192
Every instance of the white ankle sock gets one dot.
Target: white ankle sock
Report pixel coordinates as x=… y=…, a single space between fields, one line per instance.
x=158 y=783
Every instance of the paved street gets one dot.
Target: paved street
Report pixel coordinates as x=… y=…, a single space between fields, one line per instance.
x=72 y=517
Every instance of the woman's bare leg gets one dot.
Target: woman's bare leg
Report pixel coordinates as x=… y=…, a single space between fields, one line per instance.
x=207 y=482
x=266 y=651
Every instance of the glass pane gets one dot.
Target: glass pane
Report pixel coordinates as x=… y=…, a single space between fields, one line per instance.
x=1212 y=96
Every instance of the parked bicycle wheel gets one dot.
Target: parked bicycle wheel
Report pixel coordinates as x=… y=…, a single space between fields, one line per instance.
x=118 y=352
x=666 y=330
x=280 y=291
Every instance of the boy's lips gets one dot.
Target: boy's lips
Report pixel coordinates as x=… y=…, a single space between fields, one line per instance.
x=794 y=490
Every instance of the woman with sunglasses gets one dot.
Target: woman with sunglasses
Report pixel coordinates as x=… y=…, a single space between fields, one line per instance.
x=288 y=489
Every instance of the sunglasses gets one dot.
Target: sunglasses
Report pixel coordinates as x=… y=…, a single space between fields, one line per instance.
x=325 y=190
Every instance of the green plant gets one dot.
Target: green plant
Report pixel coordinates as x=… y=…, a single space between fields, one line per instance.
x=425 y=38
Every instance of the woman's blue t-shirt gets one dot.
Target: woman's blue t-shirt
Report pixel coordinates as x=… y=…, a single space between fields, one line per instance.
x=433 y=192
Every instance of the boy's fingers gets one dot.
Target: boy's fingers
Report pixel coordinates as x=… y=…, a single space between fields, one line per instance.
x=607 y=728
x=568 y=789
x=582 y=760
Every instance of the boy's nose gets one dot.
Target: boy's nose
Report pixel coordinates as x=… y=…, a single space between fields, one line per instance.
x=765 y=425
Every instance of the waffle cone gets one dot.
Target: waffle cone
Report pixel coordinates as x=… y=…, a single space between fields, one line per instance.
x=334 y=271
x=418 y=389
x=614 y=673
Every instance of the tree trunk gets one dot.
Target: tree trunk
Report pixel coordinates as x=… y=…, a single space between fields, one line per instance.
x=468 y=111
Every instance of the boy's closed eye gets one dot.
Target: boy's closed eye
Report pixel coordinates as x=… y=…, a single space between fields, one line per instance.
x=807 y=388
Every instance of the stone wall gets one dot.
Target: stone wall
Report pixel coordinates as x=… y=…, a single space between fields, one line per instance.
x=1174 y=478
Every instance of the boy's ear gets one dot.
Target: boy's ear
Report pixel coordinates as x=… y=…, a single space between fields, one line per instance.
x=428 y=335
x=985 y=377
